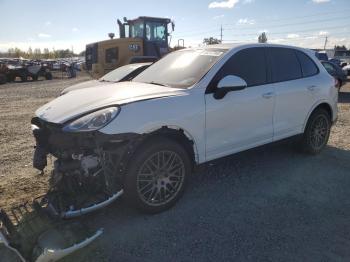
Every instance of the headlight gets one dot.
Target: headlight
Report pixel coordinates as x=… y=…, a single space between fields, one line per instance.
x=93 y=121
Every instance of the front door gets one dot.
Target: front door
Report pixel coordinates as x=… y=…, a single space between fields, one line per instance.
x=242 y=119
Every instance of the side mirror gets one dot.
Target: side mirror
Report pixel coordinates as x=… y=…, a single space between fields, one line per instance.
x=229 y=83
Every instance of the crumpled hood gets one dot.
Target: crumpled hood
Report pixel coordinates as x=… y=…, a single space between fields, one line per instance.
x=81 y=101
x=86 y=84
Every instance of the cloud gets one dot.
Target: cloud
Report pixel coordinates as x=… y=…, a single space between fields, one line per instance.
x=48 y=23
x=292 y=36
x=248 y=1
x=320 y=1
x=74 y=29
x=218 y=17
x=323 y=33
x=223 y=4
x=245 y=21
x=43 y=35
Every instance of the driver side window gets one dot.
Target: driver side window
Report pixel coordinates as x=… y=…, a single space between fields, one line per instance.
x=249 y=64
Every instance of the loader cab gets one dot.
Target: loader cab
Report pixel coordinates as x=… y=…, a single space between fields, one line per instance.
x=152 y=30
x=144 y=39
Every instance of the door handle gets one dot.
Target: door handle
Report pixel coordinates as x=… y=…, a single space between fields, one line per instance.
x=268 y=95
x=311 y=88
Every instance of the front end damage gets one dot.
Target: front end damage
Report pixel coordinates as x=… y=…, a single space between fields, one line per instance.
x=29 y=233
x=88 y=168
x=87 y=175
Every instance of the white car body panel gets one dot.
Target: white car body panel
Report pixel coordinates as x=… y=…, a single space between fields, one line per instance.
x=82 y=101
x=86 y=84
x=147 y=117
x=241 y=120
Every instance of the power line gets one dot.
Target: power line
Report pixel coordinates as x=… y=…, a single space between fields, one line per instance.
x=292 y=24
x=273 y=20
x=272 y=33
x=298 y=17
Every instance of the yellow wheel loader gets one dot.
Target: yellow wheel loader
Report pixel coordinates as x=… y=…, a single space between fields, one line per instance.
x=144 y=39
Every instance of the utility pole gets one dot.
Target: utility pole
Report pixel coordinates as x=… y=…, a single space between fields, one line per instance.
x=325 y=43
x=221 y=34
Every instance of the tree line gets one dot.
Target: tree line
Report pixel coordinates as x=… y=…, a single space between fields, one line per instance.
x=37 y=53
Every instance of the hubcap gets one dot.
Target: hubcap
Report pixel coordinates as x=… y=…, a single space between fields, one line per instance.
x=319 y=132
x=160 y=178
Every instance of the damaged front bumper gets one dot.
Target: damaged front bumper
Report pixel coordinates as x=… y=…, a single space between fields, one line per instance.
x=89 y=168
x=87 y=175
x=29 y=233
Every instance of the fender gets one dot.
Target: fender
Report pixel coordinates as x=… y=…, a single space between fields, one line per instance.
x=319 y=102
x=186 y=133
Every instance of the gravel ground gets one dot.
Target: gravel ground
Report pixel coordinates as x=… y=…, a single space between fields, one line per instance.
x=266 y=204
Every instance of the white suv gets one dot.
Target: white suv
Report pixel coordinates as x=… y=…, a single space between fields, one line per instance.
x=144 y=137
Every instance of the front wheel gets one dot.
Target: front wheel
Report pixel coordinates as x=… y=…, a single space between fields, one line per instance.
x=157 y=175
x=317 y=132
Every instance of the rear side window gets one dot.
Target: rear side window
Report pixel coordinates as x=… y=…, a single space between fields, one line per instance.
x=249 y=64
x=284 y=64
x=308 y=66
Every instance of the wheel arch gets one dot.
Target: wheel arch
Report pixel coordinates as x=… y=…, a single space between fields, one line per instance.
x=178 y=135
x=324 y=105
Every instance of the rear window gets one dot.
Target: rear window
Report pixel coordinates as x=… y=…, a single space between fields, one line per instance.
x=308 y=66
x=284 y=64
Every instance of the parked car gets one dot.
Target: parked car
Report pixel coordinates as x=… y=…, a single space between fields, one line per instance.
x=123 y=73
x=143 y=138
x=335 y=71
x=3 y=73
x=346 y=70
x=321 y=55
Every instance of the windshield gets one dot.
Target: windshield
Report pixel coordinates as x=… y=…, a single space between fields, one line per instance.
x=119 y=73
x=136 y=30
x=181 y=69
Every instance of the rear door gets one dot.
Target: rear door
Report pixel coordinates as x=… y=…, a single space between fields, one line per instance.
x=292 y=75
x=242 y=119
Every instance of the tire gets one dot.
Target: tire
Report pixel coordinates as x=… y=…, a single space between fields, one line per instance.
x=48 y=76
x=317 y=132
x=340 y=83
x=24 y=78
x=3 y=79
x=151 y=189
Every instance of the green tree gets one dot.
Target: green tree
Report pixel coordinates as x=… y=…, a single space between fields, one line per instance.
x=37 y=53
x=211 y=41
x=262 y=38
x=46 y=54
x=30 y=53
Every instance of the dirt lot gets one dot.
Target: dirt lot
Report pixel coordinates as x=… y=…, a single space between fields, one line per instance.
x=268 y=204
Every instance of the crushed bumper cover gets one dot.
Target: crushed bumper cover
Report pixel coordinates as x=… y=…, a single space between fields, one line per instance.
x=88 y=171
x=29 y=233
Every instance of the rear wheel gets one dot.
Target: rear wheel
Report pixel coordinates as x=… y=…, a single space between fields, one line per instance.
x=157 y=175
x=24 y=78
x=48 y=76
x=317 y=132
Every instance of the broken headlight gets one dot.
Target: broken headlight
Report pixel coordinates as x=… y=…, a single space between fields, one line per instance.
x=93 y=121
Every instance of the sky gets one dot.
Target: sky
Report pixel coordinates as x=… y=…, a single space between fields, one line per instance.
x=73 y=24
